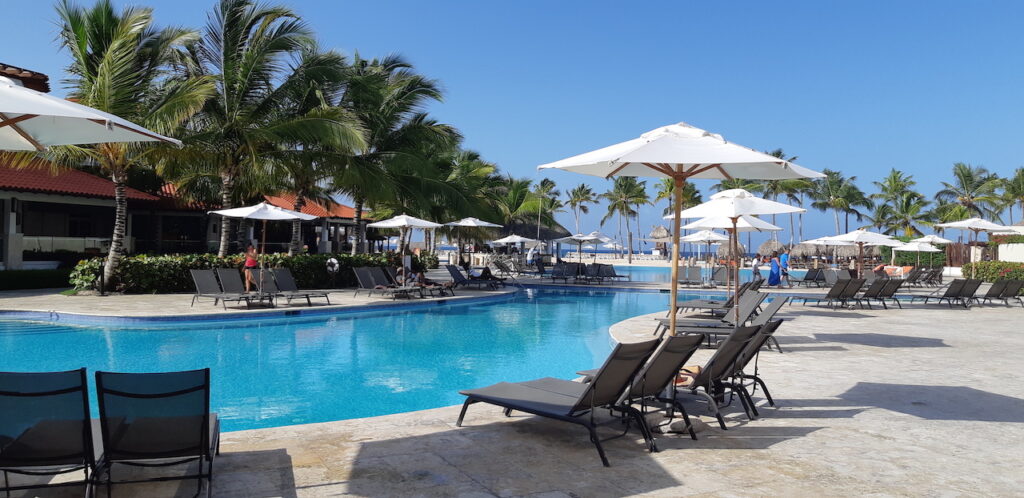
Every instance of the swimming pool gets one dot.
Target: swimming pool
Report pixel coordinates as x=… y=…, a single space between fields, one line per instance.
x=270 y=372
x=662 y=274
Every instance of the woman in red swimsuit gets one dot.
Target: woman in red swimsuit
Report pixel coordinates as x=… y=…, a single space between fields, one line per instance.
x=251 y=263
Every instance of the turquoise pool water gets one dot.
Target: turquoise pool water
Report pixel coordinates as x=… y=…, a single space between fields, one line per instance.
x=295 y=370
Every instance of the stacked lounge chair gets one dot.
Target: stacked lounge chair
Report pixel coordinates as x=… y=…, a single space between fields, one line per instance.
x=288 y=289
x=707 y=382
x=460 y=280
x=368 y=284
x=208 y=288
x=231 y=282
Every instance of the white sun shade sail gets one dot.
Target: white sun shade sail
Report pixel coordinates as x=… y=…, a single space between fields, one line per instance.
x=31 y=120
x=404 y=221
x=513 y=239
x=973 y=224
x=704 y=236
x=264 y=211
x=826 y=241
x=743 y=224
x=613 y=245
x=737 y=202
x=580 y=238
x=681 y=149
x=932 y=239
x=473 y=222
x=862 y=236
x=917 y=247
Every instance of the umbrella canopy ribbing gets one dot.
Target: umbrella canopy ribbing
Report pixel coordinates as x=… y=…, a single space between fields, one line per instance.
x=862 y=237
x=704 y=236
x=265 y=212
x=31 y=120
x=743 y=224
x=681 y=152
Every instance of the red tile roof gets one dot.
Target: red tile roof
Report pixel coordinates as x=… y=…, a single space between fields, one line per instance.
x=31 y=79
x=333 y=210
x=169 y=199
x=66 y=182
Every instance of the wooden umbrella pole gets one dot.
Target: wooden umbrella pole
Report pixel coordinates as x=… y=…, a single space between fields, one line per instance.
x=677 y=206
x=736 y=299
x=860 y=260
x=263 y=252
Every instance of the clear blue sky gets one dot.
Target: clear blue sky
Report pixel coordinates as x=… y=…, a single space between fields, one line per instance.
x=860 y=87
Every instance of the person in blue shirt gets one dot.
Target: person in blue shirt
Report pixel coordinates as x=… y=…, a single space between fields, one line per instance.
x=774 y=272
x=784 y=264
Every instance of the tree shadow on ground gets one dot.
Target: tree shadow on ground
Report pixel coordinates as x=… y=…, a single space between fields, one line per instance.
x=938 y=402
x=883 y=340
x=797 y=310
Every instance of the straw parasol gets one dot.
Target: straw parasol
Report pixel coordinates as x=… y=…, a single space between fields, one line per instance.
x=681 y=152
x=724 y=252
x=804 y=250
x=770 y=246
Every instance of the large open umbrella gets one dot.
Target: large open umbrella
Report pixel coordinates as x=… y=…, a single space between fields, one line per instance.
x=734 y=204
x=863 y=237
x=265 y=212
x=975 y=226
x=579 y=239
x=704 y=237
x=31 y=120
x=918 y=247
x=681 y=152
x=405 y=222
x=469 y=223
x=932 y=239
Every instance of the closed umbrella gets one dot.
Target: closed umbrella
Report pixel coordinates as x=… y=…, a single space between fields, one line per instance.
x=681 y=152
x=31 y=120
x=975 y=226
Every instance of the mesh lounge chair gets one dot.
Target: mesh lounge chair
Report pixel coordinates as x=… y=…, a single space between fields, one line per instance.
x=833 y=295
x=720 y=276
x=872 y=292
x=577 y=407
x=591 y=274
x=1010 y=291
x=459 y=279
x=541 y=270
x=433 y=290
x=994 y=291
x=231 y=283
x=381 y=279
x=290 y=290
x=713 y=331
x=608 y=271
x=368 y=284
x=968 y=293
x=157 y=420
x=752 y=352
x=207 y=287
x=709 y=382
x=655 y=381
x=951 y=293
x=831 y=277
x=45 y=429
x=712 y=304
x=747 y=305
x=562 y=271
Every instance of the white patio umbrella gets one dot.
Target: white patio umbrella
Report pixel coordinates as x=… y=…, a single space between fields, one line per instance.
x=704 y=236
x=743 y=224
x=513 y=239
x=681 y=152
x=31 y=120
x=932 y=239
x=265 y=212
x=918 y=247
x=579 y=239
x=975 y=226
x=405 y=222
x=469 y=223
x=862 y=237
x=733 y=204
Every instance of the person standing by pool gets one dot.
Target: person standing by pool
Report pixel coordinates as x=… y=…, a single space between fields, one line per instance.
x=251 y=263
x=784 y=264
x=775 y=272
x=755 y=267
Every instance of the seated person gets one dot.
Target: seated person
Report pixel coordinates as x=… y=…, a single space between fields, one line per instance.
x=483 y=274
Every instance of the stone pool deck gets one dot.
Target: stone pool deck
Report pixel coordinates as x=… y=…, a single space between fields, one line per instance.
x=923 y=401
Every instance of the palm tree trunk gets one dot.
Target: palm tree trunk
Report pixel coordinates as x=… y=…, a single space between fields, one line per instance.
x=360 y=234
x=296 y=243
x=847 y=215
x=835 y=213
x=576 y=213
x=800 y=218
x=227 y=190
x=792 y=230
x=120 y=222
x=629 y=237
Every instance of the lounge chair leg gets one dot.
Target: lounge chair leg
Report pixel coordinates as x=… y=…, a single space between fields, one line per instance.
x=644 y=429
x=686 y=418
x=764 y=389
x=507 y=412
x=750 y=400
x=597 y=444
x=462 y=414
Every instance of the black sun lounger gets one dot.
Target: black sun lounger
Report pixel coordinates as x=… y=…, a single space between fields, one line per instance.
x=951 y=293
x=45 y=429
x=207 y=287
x=1010 y=291
x=157 y=420
x=460 y=280
x=288 y=289
x=368 y=284
x=709 y=382
x=740 y=378
x=578 y=406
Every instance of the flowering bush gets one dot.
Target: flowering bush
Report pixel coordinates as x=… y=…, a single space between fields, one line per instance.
x=990 y=271
x=143 y=274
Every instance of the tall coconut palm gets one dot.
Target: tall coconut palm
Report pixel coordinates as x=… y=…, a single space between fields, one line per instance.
x=894 y=186
x=544 y=192
x=121 y=64
x=666 y=189
x=908 y=214
x=974 y=188
x=245 y=48
x=578 y=199
x=624 y=195
x=839 y=194
x=1013 y=192
x=389 y=98
x=788 y=189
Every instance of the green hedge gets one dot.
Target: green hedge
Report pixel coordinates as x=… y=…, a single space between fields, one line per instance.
x=144 y=274
x=990 y=271
x=34 y=279
x=911 y=258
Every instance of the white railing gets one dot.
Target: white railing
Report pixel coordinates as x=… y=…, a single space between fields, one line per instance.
x=75 y=244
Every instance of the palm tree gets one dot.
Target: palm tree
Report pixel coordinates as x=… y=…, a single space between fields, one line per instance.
x=666 y=189
x=1013 y=192
x=121 y=64
x=578 y=199
x=388 y=97
x=894 y=186
x=252 y=119
x=907 y=214
x=974 y=188
x=881 y=216
x=545 y=193
x=839 y=194
x=626 y=192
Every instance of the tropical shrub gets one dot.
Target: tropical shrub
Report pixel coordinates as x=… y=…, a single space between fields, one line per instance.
x=995 y=240
x=930 y=259
x=990 y=271
x=144 y=274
